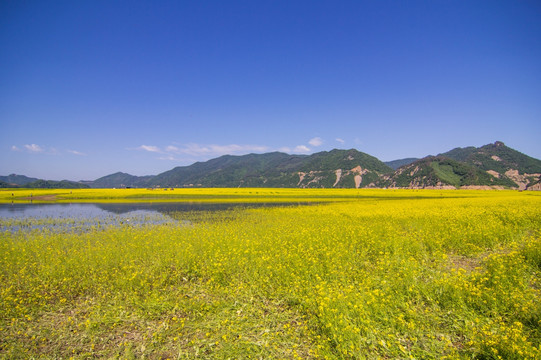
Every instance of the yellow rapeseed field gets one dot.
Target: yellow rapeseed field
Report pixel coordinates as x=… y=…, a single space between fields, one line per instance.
x=359 y=274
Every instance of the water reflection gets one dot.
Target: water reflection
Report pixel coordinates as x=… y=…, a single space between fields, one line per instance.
x=87 y=210
x=81 y=216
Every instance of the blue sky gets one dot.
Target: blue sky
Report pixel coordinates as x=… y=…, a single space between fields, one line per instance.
x=88 y=88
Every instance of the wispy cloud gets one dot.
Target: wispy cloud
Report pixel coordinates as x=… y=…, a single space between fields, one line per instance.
x=33 y=148
x=171 y=148
x=169 y=158
x=301 y=149
x=150 y=148
x=198 y=151
x=317 y=141
x=215 y=150
x=75 y=152
x=37 y=149
x=341 y=141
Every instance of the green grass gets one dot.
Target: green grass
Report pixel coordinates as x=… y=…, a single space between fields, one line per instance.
x=446 y=173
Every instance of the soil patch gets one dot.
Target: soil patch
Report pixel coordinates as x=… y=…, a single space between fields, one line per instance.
x=40 y=198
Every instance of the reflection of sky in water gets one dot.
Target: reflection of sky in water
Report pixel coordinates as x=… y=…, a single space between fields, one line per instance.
x=57 y=211
x=85 y=216
x=87 y=210
x=79 y=217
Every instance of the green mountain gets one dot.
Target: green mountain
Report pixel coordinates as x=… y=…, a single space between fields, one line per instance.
x=490 y=166
x=21 y=181
x=225 y=171
x=120 y=179
x=442 y=172
x=336 y=168
x=341 y=169
x=502 y=162
x=14 y=179
x=494 y=165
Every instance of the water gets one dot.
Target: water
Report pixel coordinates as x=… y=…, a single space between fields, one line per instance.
x=85 y=216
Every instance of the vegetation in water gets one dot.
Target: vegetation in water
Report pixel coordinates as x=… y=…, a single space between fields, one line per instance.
x=425 y=274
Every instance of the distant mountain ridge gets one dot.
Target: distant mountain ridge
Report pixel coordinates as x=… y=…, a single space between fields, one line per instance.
x=489 y=166
x=13 y=181
x=395 y=164
x=336 y=168
x=120 y=179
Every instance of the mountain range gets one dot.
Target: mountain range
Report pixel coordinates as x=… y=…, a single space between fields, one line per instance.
x=491 y=166
x=14 y=181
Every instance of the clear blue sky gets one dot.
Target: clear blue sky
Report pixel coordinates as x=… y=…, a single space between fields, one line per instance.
x=88 y=88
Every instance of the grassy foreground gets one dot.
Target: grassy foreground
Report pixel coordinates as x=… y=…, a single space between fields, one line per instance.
x=436 y=275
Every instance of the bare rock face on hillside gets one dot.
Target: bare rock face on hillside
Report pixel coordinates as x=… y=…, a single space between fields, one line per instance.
x=522 y=180
x=535 y=186
x=340 y=178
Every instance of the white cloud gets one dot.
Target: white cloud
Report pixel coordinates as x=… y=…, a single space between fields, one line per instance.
x=149 y=148
x=168 y=157
x=301 y=149
x=171 y=148
x=285 y=149
x=341 y=141
x=34 y=148
x=317 y=141
x=215 y=150
x=200 y=151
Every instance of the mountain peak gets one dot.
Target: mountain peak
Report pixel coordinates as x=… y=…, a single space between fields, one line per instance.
x=493 y=165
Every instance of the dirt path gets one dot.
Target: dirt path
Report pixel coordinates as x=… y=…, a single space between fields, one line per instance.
x=40 y=198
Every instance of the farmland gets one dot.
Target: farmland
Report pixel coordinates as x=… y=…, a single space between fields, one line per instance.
x=359 y=274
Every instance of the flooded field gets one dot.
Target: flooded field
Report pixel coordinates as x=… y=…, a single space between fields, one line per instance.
x=81 y=216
